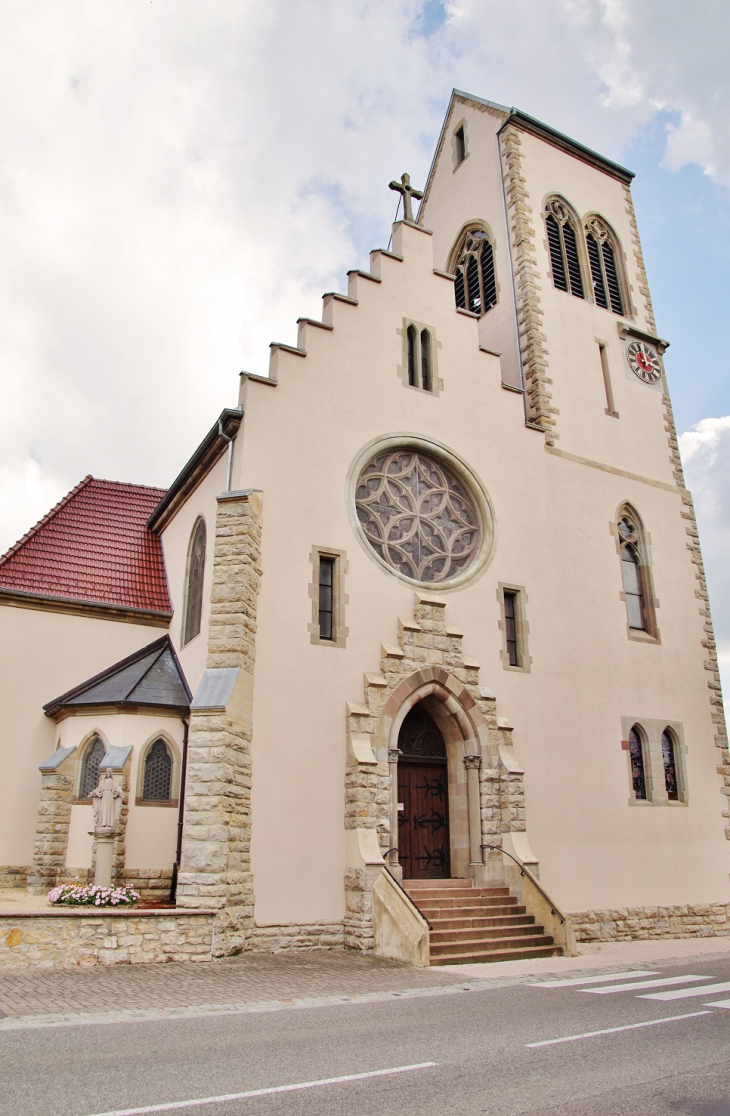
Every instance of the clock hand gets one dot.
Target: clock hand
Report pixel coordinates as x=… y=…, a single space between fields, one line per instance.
x=643 y=361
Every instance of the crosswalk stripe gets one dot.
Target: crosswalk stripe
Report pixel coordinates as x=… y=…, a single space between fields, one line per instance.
x=684 y=993
x=641 y=984
x=719 y=1003
x=591 y=979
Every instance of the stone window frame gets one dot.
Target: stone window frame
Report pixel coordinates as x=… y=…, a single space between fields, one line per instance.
x=522 y=627
x=607 y=230
x=436 y=385
x=184 y=638
x=458 y=160
x=477 y=224
x=584 y=263
x=340 y=599
x=174 y=799
x=651 y=729
x=650 y=602
x=419 y=443
x=79 y=762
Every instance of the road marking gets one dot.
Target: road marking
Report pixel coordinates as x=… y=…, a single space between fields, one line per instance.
x=684 y=993
x=719 y=1003
x=588 y=1034
x=591 y=979
x=172 y=1105
x=642 y=984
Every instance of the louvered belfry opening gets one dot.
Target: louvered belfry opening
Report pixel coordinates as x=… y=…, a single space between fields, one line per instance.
x=563 y=246
x=604 y=271
x=475 y=284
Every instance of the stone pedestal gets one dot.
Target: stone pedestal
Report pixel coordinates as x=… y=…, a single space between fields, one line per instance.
x=104 y=856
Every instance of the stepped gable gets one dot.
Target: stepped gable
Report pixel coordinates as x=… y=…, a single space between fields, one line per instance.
x=94 y=547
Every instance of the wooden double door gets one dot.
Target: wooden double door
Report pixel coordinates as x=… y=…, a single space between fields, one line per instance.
x=423 y=799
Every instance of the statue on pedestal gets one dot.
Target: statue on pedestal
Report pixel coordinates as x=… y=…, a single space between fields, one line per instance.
x=107 y=803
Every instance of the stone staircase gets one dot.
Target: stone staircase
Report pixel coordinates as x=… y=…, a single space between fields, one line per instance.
x=477 y=923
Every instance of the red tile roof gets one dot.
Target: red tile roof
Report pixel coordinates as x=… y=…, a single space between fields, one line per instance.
x=94 y=546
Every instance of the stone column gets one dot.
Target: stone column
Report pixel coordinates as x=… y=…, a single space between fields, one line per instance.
x=393 y=754
x=51 y=840
x=104 y=857
x=215 y=871
x=472 y=765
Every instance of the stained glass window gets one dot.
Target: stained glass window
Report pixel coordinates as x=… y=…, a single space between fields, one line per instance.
x=636 y=754
x=670 y=766
x=417 y=515
x=157 y=773
x=196 y=571
x=93 y=756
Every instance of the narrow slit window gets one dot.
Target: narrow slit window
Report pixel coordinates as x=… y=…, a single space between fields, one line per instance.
x=636 y=756
x=670 y=766
x=412 y=346
x=510 y=625
x=326 y=597
x=425 y=360
x=608 y=388
x=460 y=145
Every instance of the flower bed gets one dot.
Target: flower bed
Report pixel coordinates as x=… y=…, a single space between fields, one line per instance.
x=74 y=895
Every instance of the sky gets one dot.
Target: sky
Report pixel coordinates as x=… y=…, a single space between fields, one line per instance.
x=179 y=182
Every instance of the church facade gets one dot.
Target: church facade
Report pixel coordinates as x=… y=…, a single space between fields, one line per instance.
x=430 y=596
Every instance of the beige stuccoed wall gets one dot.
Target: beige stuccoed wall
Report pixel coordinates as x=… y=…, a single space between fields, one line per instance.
x=553 y=518
x=175 y=544
x=151 y=832
x=43 y=654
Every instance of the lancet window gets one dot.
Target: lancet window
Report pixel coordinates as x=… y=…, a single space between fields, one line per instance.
x=194 y=590
x=419 y=348
x=475 y=286
x=669 y=760
x=635 y=572
x=93 y=755
x=636 y=756
x=604 y=269
x=563 y=245
x=157 y=785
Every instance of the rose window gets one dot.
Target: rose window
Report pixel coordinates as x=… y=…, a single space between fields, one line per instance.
x=418 y=516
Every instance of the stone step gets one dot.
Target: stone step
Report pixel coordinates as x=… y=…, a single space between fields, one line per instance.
x=471 y=934
x=480 y=902
x=489 y=956
x=439 y=913
x=461 y=923
x=458 y=892
x=476 y=944
x=428 y=885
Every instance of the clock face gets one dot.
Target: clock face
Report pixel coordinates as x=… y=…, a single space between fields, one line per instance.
x=644 y=361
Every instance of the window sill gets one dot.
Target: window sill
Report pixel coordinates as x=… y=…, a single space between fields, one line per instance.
x=638 y=635
x=171 y=803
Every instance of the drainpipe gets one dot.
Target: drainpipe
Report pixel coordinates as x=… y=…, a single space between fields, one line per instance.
x=181 y=812
x=227 y=438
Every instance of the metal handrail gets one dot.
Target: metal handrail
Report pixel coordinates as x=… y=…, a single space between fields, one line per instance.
x=524 y=870
x=400 y=885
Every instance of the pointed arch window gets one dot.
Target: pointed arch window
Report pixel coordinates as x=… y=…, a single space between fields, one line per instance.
x=475 y=285
x=636 y=573
x=563 y=246
x=194 y=590
x=157 y=785
x=604 y=267
x=93 y=755
x=636 y=757
x=669 y=760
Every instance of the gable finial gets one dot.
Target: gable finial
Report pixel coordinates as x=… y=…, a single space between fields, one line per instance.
x=408 y=192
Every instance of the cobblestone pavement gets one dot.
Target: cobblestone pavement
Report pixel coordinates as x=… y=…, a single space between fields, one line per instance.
x=239 y=980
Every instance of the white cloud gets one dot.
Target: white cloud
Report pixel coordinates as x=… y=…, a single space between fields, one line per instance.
x=180 y=181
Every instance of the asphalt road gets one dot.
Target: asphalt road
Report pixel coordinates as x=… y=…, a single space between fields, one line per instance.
x=473 y=1048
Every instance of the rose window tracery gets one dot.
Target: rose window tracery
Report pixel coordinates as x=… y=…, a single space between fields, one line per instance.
x=417 y=515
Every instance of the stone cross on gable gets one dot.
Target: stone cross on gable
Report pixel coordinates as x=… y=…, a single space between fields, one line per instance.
x=404 y=187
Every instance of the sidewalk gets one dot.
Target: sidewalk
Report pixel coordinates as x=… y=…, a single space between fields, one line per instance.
x=267 y=982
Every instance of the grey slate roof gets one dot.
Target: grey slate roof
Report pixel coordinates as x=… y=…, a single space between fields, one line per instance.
x=151 y=677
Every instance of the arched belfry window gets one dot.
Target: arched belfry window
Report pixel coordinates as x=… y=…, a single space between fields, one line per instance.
x=157 y=784
x=600 y=243
x=636 y=757
x=475 y=286
x=635 y=572
x=194 y=590
x=93 y=755
x=562 y=238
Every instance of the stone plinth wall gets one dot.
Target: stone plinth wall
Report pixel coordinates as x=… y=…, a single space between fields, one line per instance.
x=14 y=875
x=85 y=937
x=51 y=842
x=292 y=936
x=153 y=884
x=706 y=920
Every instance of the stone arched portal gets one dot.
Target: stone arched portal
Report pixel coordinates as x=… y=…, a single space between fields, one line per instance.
x=486 y=794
